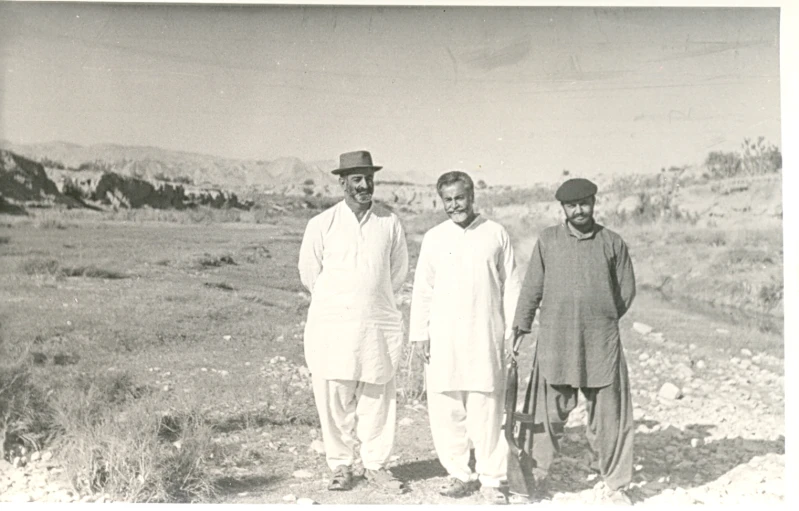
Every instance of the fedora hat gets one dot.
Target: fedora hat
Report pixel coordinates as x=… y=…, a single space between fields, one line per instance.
x=355 y=161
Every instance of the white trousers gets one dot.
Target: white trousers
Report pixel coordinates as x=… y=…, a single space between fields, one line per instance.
x=466 y=419
x=351 y=411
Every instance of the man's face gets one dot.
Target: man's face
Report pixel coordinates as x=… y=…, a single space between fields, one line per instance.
x=458 y=202
x=359 y=187
x=580 y=213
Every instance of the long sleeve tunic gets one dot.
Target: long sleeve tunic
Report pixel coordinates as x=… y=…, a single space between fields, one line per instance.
x=353 y=269
x=583 y=286
x=464 y=295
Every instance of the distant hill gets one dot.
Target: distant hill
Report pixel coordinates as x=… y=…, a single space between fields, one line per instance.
x=156 y=164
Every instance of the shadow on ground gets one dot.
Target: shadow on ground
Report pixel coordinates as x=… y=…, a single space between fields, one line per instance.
x=666 y=459
x=229 y=485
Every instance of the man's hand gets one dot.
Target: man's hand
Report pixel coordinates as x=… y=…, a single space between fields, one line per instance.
x=424 y=350
x=518 y=337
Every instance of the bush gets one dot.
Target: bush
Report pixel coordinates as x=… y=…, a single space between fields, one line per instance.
x=24 y=414
x=92 y=271
x=111 y=441
x=40 y=266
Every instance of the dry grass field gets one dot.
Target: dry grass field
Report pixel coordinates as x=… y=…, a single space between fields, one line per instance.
x=159 y=354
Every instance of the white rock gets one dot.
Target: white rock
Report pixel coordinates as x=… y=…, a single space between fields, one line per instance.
x=302 y=474
x=407 y=421
x=670 y=391
x=306 y=501
x=224 y=372
x=165 y=388
x=656 y=337
x=643 y=356
x=226 y=337
x=642 y=328
x=700 y=364
x=36 y=456
x=696 y=442
x=289 y=498
x=317 y=446
x=745 y=352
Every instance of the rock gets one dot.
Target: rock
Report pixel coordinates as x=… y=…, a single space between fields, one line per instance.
x=656 y=337
x=165 y=388
x=20 y=498
x=745 y=364
x=670 y=391
x=302 y=474
x=289 y=498
x=407 y=421
x=723 y=331
x=745 y=352
x=36 y=456
x=642 y=328
x=317 y=446
x=226 y=337
x=47 y=456
x=643 y=356
x=306 y=502
x=683 y=371
x=696 y=442
x=700 y=364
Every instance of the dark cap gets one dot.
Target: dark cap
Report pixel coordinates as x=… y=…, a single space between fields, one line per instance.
x=575 y=189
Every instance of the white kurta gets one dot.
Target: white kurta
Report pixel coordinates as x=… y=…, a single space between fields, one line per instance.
x=352 y=270
x=464 y=296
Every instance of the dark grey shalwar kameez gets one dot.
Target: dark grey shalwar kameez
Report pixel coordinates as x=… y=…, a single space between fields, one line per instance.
x=583 y=285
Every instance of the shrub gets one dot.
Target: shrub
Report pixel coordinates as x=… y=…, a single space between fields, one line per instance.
x=92 y=271
x=24 y=414
x=40 y=266
x=139 y=454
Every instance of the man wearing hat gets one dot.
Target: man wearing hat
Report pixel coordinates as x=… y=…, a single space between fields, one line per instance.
x=353 y=258
x=581 y=278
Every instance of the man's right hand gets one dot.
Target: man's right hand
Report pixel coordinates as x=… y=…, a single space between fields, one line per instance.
x=424 y=350
x=518 y=336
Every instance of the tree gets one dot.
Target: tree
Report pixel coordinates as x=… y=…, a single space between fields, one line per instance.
x=481 y=184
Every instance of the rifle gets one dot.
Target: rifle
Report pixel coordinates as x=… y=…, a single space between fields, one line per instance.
x=520 y=462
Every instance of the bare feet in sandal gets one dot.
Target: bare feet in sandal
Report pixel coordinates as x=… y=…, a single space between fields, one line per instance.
x=342 y=479
x=456 y=488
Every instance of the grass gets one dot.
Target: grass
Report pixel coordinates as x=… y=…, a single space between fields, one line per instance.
x=43 y=266
x=103 y=347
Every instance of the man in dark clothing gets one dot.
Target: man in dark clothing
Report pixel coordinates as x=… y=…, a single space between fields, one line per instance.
x=581 y=278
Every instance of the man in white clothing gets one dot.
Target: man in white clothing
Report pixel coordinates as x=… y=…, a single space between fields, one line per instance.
x=353 y=260
x=464 y=295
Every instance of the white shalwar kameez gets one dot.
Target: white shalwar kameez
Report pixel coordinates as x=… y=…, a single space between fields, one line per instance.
x=464 y=296
x=354 y=332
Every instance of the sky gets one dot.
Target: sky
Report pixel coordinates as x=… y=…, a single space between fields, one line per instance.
x=515 y=95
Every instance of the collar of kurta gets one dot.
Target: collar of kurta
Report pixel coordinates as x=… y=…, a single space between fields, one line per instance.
x=579 y=235
x=365 y=215
x=478 y=219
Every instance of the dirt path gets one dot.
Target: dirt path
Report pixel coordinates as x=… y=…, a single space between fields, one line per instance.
x=721 y=443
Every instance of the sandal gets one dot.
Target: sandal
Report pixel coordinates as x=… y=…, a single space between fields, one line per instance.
x=342 y=479
x=493 y=495
x=384 y=480
x=456 y=488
